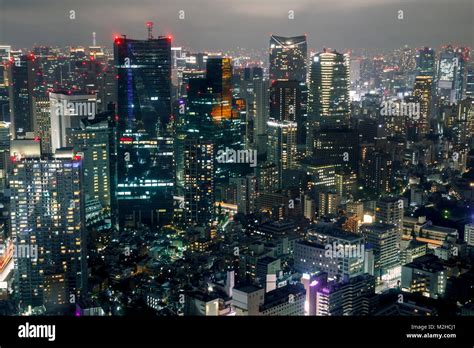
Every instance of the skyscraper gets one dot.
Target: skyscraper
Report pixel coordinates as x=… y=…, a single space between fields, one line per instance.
x=67 y=110
x=384 y=239
x=288 y=58
x=93 y=140
x=282 y=125
x=145 y=149
x=47 y=222
x=199 y=197
x=23 y=87
x=425 y=62
x=422 y=91
x=328 y=97
x=219 y=82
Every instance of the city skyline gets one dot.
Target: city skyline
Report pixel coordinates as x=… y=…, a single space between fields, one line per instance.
x=336 y=24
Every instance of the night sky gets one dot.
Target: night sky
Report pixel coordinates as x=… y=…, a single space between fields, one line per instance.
x=226 y=24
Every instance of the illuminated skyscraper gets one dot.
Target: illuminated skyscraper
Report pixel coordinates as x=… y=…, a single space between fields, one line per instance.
x=328 y=97
x=425 y=62
x=67 y=111
x=145 y=173
x=385 y=240
x=24 y=82
x=282 y=125
x=450 y=75
x=199 y=174
x=422 y=91
x=288 y=58
x=93 y=140
x=219 y=82
x=42 y=122
x=389 y=210
x=47 y=223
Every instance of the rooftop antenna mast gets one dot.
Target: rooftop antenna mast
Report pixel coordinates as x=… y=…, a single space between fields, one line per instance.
x=149 y=26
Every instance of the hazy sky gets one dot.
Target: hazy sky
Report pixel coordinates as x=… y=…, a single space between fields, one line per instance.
x=214 y=24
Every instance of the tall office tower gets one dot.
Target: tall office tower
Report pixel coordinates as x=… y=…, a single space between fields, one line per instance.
x=93 y=140
x=67 y=111
x=42 y=122
x=282 y=125
x=346 y=183
x=247 y=193
x=24 y=77
x=389 y=210
x=268 y=178
x=450 y=75
x=219 y=82
x=4 y=83
x=199 y=197
x=376 y=170
x=145 y=174
x=328 y=203
x=425 y=62
x=465 y=122
x=47 y=223
x=422 y=91
x=282 y=146
x=285 y=103
x=354 y=69
x=328 y=96
x=288 y=58
x=4 y=156
x=351 y=297
x=107 y=92
x=337 y=146
x=469 y=90
x=262 y=97
x=384 y=239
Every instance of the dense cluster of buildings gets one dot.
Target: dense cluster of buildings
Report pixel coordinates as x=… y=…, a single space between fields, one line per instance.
x=149 y=178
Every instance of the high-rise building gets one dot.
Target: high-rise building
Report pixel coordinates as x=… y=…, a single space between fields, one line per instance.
x=384 y=240
x=47 y=223
x=23 y=77
x=337 y=146
x=42 y=122
x=288 y=58
x=328 y=203
x=145 y=174
x=376 y=170
x=67 y=111
x=389 y=210
x=450 y=74
x=219 y=83
x=199 y=196
x=262 y=97
x=93 y=140
x=247 y=194
x=285 y=112
x=422 y=91
x=328 y=97
x=469 y=91
x=469 y=234
x=350 y=297
x=425 y=62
